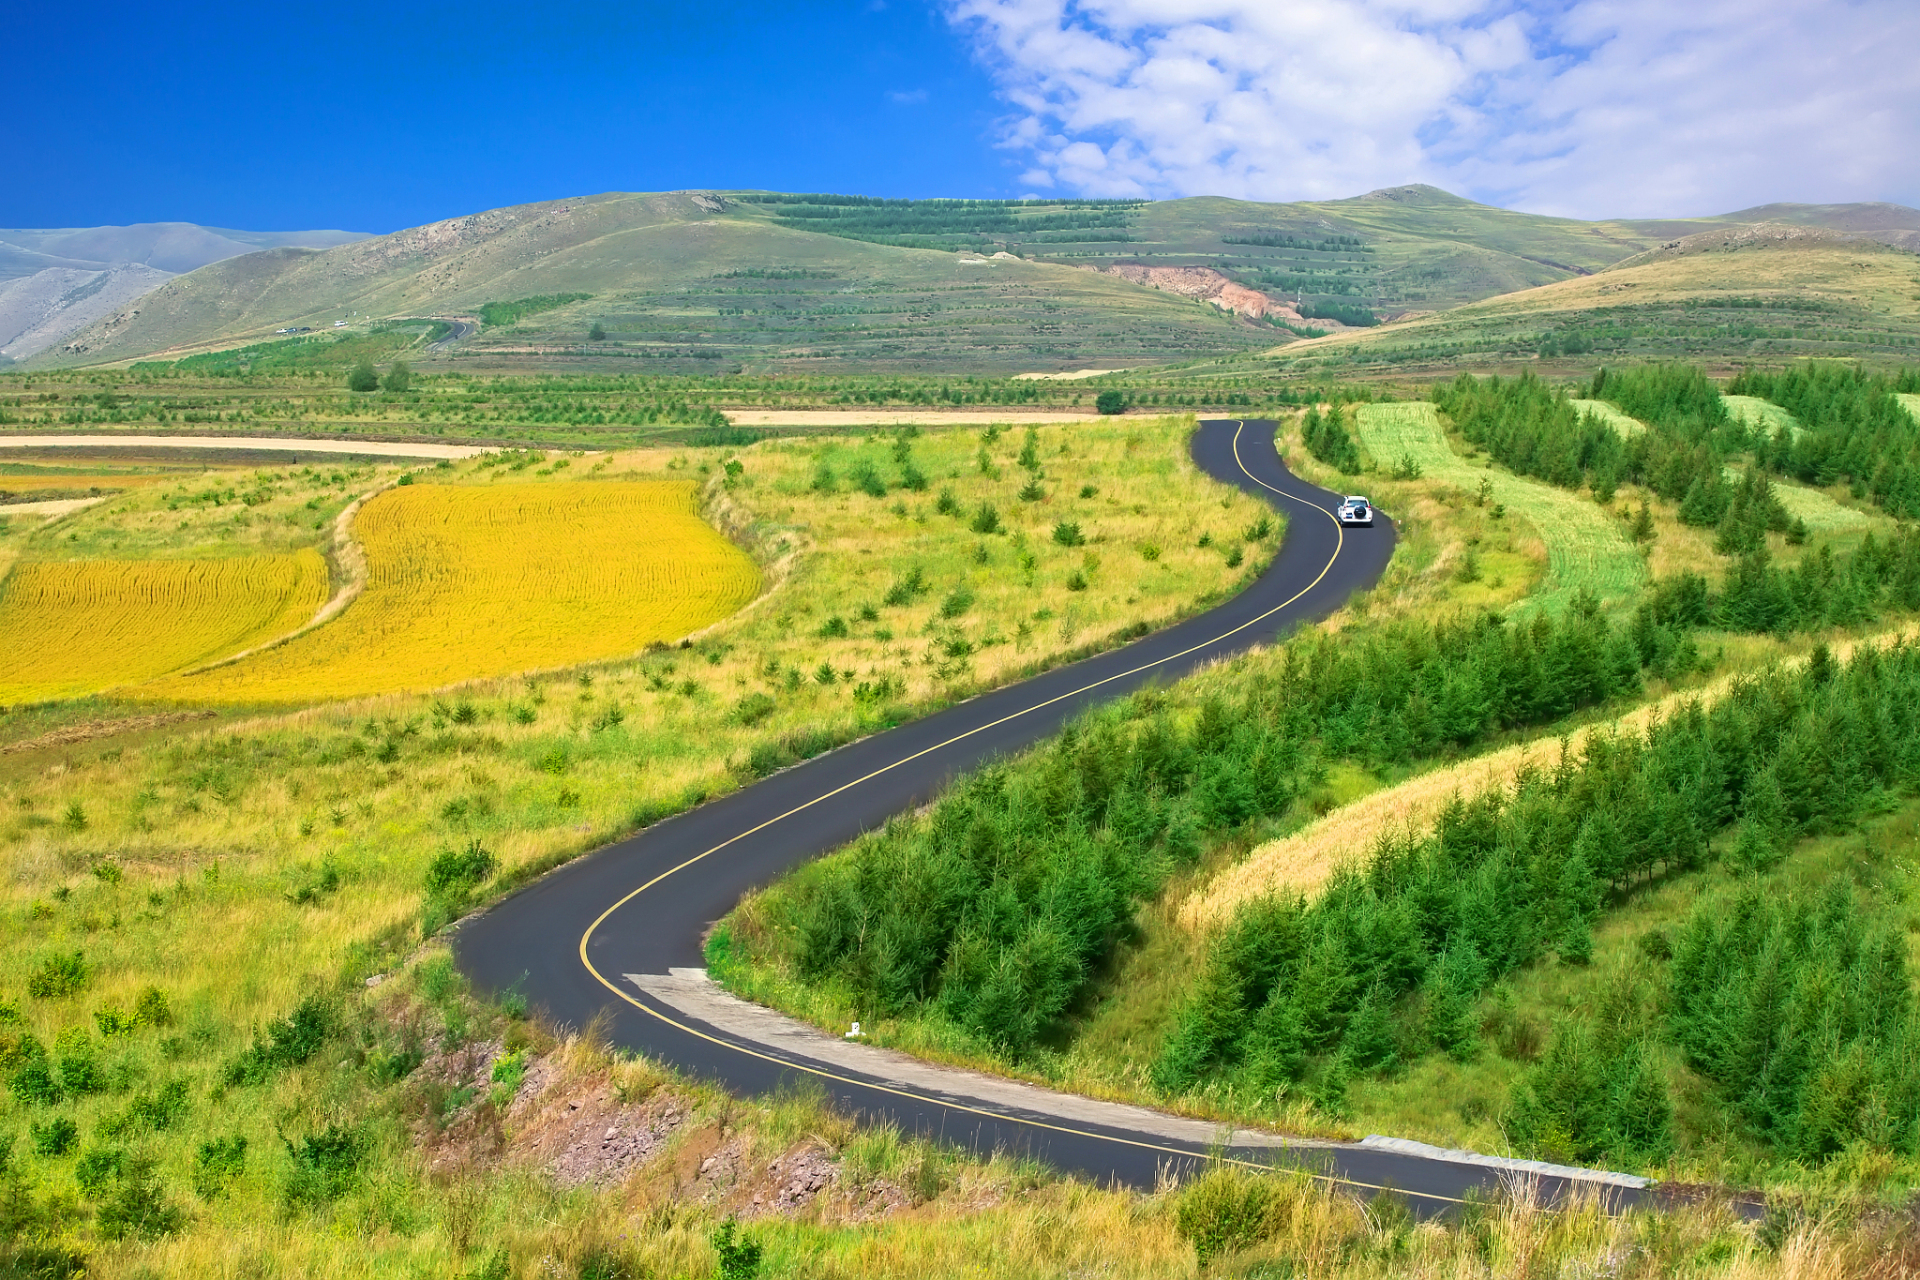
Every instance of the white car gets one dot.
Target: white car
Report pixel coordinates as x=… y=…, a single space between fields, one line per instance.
x=1356 y=510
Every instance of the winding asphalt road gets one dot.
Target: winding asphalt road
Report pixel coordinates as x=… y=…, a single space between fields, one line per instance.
x=461 y=331
x=642 y=906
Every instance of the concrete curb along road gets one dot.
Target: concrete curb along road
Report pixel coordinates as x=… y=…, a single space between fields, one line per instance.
x=643 y=905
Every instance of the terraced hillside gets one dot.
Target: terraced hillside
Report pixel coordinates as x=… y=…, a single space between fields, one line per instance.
x=1729 y=295
x=726 y=282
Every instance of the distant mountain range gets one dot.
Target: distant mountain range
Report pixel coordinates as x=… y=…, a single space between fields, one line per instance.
x=768 y=282
x=55 y=282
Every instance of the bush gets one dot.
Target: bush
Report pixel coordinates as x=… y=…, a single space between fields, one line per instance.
x=754 y=708
x=986 y=519
x=139 y=1208
x=364 y=376
x=288 y=1042
x=54 y=1138
x=739 y=1257
x=1110 y=402
x=1067 y=534
x=398 y=378
x=60 y=974
x=326 y=1165
x=217 y=1163
x=454 y=872
x=1227 y=1210
x=97 y=1168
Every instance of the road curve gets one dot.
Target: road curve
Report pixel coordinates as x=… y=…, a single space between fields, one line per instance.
x=461 y=331
x=641 y=906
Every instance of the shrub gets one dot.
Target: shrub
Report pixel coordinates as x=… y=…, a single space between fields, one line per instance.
x=288 y=1042
x=364 y=376
x=60 y=973
x=326 y=1165
x=739 y=1257
x=754 y=708
x=97 y=1168
x=957 y=602
x=33 y=1081
x=217 y=1163
x=78 y=1067
x=906 y=590
x=1227 y=1210
x=947 y=504
x=398 y=378
x=1110 y=402
x=140 y=1207
x=54 y=1138
x=986 y=519
x=1032 y=492
x=866 y=478
x=454 y=872
x=1067 y=534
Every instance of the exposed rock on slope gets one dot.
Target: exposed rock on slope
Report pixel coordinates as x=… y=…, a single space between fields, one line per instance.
x=1207 y=284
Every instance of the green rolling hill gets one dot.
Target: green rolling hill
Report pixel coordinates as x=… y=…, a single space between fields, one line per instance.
x=762 y=282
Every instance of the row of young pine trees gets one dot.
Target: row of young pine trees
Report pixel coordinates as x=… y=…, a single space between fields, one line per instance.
x=997 y=909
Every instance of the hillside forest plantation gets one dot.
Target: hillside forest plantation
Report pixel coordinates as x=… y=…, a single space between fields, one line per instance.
x=349 y=590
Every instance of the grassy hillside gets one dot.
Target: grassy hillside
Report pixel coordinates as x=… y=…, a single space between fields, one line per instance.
x=1728 y=295
x=678 y=286
x=708 y=283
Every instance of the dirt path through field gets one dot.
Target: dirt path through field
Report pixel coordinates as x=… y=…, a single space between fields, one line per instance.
x=899 y=417
x=275 y=444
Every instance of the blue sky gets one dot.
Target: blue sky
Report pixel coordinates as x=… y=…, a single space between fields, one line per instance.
x=368 y=117
x=372 y=117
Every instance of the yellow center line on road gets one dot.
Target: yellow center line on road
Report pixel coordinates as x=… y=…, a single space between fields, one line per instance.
x=1140 y=1144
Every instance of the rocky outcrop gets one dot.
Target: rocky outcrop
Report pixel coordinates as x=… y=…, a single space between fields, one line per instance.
x=1207 y=284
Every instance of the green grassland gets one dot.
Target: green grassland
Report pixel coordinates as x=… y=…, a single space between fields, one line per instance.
x=1764 y=414
x=1608 y=414
x=1717 y=297
x=1586 y=548
x=690 y=282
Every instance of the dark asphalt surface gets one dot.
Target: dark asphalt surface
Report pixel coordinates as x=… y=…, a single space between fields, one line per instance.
x=462 y=329
x=533 y=941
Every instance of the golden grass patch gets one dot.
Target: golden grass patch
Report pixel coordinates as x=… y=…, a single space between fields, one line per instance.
x=1307 y=859
x=465 y=583
x=74 y=628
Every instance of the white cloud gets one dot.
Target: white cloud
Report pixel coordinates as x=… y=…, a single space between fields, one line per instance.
x=1582 y=107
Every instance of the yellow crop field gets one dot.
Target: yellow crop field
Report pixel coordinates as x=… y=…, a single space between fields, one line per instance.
x=467 y=582
x=76 y=627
